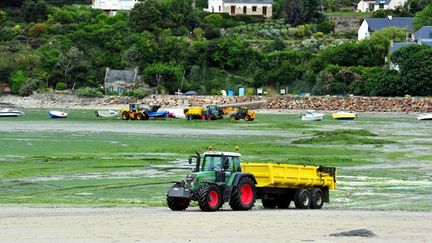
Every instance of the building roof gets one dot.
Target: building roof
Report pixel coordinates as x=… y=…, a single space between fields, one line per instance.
x=249 y=1
x=385 y=2
x=127 y=76
x=396 y=46
x=381 y=23
x=424 y=33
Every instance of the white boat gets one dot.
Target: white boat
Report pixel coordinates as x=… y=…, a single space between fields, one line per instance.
x=8 y=112
x=344 y=115
x=57 y=114
x=424 y=117
x=106 y=113
x=312 y=115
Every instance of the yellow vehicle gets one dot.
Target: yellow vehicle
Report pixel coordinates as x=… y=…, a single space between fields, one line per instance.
x=134 y=112
x=210 y=112
x=220 y=177
x=240 y=113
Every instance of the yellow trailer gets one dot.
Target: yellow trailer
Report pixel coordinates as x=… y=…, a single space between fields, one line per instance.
x=279 y=184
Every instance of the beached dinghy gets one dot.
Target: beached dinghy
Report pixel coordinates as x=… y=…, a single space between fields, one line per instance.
x=344 y=115
x=106 y=113
x=8 y=112
x=57 y=114
x=312 y=115
x=424 y=117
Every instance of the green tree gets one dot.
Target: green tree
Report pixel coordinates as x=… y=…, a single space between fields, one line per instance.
x=415 y=65
x=300 y=11
x=390 y=34
x=145 y=16
x=70 y=61
x=384 y=82
x=34 y=10
x=423 y=18
x=164 y=75
x=16 y=80
x=3 y=16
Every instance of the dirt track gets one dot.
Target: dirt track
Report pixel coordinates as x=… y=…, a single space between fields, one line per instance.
x=163 y=225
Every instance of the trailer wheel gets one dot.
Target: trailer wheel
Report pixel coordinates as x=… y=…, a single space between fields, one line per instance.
x=317 y=198
x=269 y=203
x=145 y=116
x=125 y=115
x=302 y=199
x=178 y=203
x=210 y=198
x=283 y=202
x=233 y=117
x=243 y=196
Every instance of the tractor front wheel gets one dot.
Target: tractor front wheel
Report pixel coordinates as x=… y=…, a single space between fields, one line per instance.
x=243 y=196
x=247 y=118
x=140 y=116
x=210 y=198
x=125 y=115
x=178 y=203
x=233 y=117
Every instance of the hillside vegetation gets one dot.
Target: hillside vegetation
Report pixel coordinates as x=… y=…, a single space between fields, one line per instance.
x=56 y=43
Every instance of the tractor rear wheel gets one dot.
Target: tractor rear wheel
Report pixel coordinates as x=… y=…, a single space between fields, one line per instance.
x=210 y=198
x=243 y=196
x=302 y=199
x=269 y=203
x=125 y=115
x=317 y=198
x=178 y=203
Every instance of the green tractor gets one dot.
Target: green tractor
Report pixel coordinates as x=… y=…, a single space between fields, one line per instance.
x=215 y=180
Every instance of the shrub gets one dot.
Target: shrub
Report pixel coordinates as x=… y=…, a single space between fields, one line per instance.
x=17 y=79
x=29 y=86
x=198 y=34
x=141 y=92
x=326 y=27
x=60 y=86
x=213 y=19
x=249 y=91
x=38 y=30
x=88 y=92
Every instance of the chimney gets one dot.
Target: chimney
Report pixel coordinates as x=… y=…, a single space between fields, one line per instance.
x=390 y=17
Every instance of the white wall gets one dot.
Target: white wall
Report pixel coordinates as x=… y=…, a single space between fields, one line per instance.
x=214 y=6
x=396 y=3
x=363 y=31
x=114 y=4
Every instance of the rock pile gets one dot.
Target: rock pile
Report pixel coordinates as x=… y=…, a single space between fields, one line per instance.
x=355 y=103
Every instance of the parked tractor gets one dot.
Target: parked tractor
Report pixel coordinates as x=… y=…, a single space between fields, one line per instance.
x=210 y=112
x=134 y=112
x=220 y=177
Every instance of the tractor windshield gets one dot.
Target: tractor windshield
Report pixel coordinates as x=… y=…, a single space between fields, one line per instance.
x=211 y=163
x=214 y=162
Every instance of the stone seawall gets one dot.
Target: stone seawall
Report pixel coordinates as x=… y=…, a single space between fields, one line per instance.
x=356 y=103
x=325 y=103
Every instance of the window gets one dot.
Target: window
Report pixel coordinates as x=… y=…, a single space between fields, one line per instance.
x=254 y=8
x=110 y=89
x=211 y=163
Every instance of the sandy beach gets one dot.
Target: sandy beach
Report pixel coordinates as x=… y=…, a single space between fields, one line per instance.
x=163 y=225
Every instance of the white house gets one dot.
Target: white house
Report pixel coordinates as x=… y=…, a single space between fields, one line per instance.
x=373 y=5
x=113 y=6
x=369 y=25
x=237 y=7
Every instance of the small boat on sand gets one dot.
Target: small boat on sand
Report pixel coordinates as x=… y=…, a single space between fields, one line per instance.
x=106 y=113
x=57 y=114
x=312 y=115
x=344 y=115
x=8 y=112
x=424 y=117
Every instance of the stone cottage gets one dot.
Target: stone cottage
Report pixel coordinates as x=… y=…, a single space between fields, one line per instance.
x=120 y=81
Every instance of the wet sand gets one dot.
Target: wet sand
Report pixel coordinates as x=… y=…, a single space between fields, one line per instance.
x=163 y=225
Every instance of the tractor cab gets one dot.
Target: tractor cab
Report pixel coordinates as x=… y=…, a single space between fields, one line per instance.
x=212 y=112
